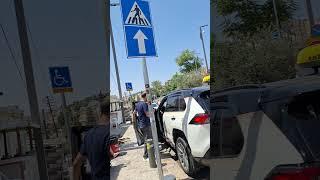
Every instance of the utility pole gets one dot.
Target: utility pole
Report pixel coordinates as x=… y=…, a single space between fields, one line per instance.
x=277 y=17
x=106 y=25
x=31 y=88
x=310 y=13
x=204 y=49
x=116 y=66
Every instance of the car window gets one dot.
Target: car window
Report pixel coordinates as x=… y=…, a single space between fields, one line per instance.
x=181 y=103
x=175 y=103
x=304 y=113
x=205 y=99
x=172 y=104
x=227 y=134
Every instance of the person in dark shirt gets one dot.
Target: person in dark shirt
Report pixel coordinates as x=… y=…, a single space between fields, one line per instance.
x=96 y=148
x=144 y=121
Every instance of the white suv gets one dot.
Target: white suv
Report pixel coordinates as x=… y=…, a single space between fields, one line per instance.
x=183 y=117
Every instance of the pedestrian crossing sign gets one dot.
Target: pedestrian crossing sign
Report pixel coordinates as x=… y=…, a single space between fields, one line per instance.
x=138 y=29
x=137 y=17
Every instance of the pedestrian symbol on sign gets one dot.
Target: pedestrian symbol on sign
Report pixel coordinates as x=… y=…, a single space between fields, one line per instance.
x=137 y=17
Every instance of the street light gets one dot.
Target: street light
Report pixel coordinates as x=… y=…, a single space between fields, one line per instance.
x=204 y=50
x=116 y=62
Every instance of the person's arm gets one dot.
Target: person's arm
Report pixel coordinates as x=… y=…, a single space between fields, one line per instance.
x=134 y=118
x=146 y=110
x=77 y=163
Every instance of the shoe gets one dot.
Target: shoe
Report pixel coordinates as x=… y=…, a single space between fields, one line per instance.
x=146 y=159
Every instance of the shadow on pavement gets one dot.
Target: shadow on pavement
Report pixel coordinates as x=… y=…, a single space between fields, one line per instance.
x=203 y=174
x=166 y=155
x=115 y=170
x=132 y=148
x=124 y=129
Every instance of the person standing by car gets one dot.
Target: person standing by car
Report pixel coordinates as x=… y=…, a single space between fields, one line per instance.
x=144 y=121
x=139 y=135
x=96 y=148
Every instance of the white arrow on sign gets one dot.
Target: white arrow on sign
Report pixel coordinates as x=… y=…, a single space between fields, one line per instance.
x=141 y=38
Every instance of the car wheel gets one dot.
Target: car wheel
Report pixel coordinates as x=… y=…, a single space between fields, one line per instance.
x=187 y=162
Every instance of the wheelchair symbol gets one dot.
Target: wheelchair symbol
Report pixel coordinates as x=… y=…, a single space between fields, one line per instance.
x=58 y=79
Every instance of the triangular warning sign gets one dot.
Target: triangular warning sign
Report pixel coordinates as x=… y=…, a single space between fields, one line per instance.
x=137 y=17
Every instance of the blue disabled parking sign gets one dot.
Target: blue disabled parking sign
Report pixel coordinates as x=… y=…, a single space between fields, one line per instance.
x=315 y=31
x=129 y=86
x=60 y=79
x=138 y=28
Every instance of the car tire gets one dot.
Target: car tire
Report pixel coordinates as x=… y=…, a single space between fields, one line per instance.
x=186 y=160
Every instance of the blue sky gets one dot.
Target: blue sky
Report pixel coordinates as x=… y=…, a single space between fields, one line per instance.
x=176 y=25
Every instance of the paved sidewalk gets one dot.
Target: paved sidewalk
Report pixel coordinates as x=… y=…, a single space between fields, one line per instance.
x=131 y=165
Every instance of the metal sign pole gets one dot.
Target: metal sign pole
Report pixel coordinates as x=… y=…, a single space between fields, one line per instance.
x=152 y=119
x=67 y=122
x=31 y=89
x=310 y=13
x=204 y=49
x=277 y=17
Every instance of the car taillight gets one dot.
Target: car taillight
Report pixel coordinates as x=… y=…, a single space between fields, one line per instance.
x=303 y=173
x=200 y=119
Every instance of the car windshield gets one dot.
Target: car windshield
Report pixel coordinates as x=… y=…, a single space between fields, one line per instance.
x=305 y=110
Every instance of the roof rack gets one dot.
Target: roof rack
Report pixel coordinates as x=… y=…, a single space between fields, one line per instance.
x=248 y=86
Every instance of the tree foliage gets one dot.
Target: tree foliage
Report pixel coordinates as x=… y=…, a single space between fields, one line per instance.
x=178 y=81
x=238 y=62
x=183 y=80
x=247 y=17
x=157 y=88
x=188 y=61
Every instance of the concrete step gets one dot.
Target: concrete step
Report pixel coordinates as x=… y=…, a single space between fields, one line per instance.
x=54 y=156
x=54 y=166
x=55 y=169
x=57 y=150
x=55 y=176
x=54 y=161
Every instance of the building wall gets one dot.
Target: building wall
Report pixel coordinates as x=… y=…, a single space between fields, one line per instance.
x=10 y=118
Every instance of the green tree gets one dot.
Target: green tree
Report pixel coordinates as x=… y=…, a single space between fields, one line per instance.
x=238 y=63
x=188 y=61
x=182 y=80
x=157 y=88
x=247 y=17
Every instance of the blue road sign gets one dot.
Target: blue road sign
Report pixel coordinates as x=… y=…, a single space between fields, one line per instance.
x=60 y=79
x=315 y=30
x=138 y=28
x=129 y=86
